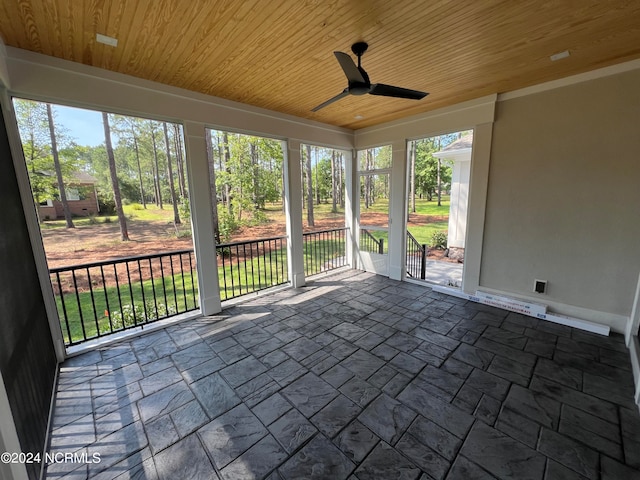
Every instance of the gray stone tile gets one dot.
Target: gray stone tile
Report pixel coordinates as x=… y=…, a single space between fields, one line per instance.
x=362 y=363
x=337 y=375
x=252 y=336
x=257 y=389
x=457 y=368
x=466 y=399
x=188 y=418
x=442 y=413
x=557 y=471
x=488 y=383
x=487 y=410
x=359 y=391
x=185 y=459
x=256 y=462
x=192 y=356
x=271 y=408
x=105 y=404
x=286 y=372
x=534 y=406
x=356 y=441
x=385 y=462
x=403 y=342
x=369 y=341
x=540 y=348
x=463 y=469
x=309 y=394
x=164 y=401
x=612 y=391
x=613 y=470
x=582 y=401
x=576 y=456
x=435 y=437
x=338 y=413
x=301 y=348
x=562 y=374
x=317 y=460
x=117 y=446
x=233 y=354
x=510 y=370
x=114 y=421
x=292 y=430
x=518 y=427
x=156 y=366
x=215 y=395
x=385 y=352
x=408 y=364
x=161 y=433
x=423 y=456
x=159 y=380
x=505 y=337
x=506 y=351
x=242 y=371
x=388 y=418
x=202 y=370
x=593 y=431
x=231 y=434
x=501 y=455
x=473 y=356
x=274 y=358
x=77 y=434
x=443 y=380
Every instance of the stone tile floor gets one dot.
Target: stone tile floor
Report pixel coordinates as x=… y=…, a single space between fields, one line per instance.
x=354 y=377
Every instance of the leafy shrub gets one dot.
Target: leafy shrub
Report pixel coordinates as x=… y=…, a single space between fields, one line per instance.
x=136 y=206
x=228 y=225
x=132 y=315
x=184 y=209
x=107 y=205
x=439 y=239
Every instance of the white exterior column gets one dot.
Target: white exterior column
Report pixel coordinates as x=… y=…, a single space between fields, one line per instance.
x=460 y=177
x=478 y=185
x=398 y=210
x=351 y=198
x=293 y=212
x=204 y=242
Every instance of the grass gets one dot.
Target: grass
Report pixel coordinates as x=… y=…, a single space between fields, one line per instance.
x=107 y=305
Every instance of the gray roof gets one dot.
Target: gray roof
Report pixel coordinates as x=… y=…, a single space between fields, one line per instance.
x=466 y=141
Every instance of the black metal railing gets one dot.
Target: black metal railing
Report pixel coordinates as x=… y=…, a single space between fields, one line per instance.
x=324 y=250
x=369 y=243
x=416 y=258
x=251 y=266
x=100 y=298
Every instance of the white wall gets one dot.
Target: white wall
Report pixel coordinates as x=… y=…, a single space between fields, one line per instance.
x=563 y=198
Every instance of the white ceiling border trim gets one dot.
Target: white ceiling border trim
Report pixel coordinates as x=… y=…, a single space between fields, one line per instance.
x=571 y=80
x=45 y=78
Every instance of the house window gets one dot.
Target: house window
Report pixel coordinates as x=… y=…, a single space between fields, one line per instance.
x=73 y=194
x=46 y=203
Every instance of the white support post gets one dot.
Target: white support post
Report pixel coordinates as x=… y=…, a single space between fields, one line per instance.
x=293 y=211
x=350 y=201
x=204 y=242
x=398 y=210
x=478 y=185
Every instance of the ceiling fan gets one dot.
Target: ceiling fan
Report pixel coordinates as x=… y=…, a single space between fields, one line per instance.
x=359 y=82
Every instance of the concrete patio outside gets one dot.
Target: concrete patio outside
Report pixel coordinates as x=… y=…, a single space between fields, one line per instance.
x=353 y=377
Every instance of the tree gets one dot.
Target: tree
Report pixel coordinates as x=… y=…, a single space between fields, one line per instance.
x=124 y=234
x=212 y=185
x=172 y=189
x=58 y=169
x=310 y=220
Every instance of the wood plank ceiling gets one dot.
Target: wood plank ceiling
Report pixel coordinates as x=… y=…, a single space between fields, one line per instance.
x=277 y=54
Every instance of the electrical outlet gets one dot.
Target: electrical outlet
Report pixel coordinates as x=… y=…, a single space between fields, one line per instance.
x=540 y=286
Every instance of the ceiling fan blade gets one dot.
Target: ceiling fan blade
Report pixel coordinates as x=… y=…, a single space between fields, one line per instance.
x=398 y=92
x=344 y=93
x=349 y=68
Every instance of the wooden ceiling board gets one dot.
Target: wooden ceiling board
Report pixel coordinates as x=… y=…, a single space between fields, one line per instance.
x=279 y=54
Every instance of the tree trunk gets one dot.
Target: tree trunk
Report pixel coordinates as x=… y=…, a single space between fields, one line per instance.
x=439 y=186
x=317 y=182
x=58 y=168
x=177 y=137
x=124 y=234
x=412 y=177
x=212 y=187
x=254 y=175
x=227 y=160
x=172 y=187
x=135 y=144
x=341 y=180
x=334 y=183
x=157 y=167
x=310 y=220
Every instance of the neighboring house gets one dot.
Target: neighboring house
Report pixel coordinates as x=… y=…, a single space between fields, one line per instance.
x=81 y=197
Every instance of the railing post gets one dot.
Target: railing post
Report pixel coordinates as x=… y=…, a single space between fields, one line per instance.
x=423 y=262
x=381 y=246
